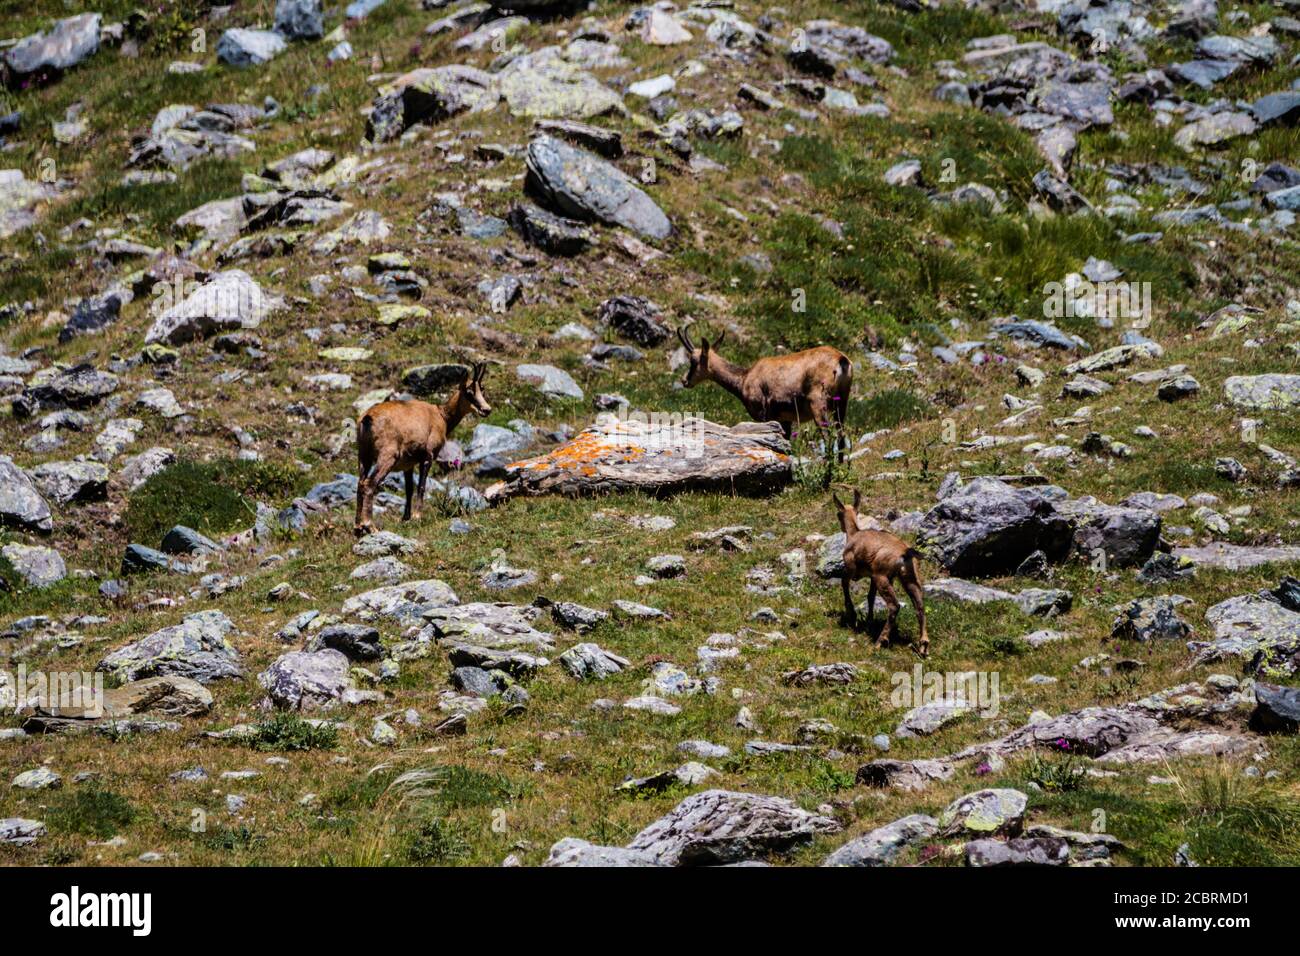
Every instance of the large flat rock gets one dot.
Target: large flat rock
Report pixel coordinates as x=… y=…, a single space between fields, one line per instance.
x=658 y=457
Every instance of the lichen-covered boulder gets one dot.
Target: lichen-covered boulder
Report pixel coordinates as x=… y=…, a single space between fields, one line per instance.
x=405 y=602
x=1126 y=536
x=82 y=386
x=544 y=84
x=20 y=198
x=430 y=95
x=39 y=567
x=574 y=852
x=883 y=844
x=72 y=481
x=197 y=648
x=307 y=680
x=591 y=661
x=662 y=455
x=994 y=812
x=1263 y=392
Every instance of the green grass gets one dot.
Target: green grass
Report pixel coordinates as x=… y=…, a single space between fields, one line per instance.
x=90 y=811
x=213 y=497
x=903 y=269
x=283 y=731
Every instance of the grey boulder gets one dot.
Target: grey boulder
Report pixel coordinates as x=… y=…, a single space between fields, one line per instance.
x=299 y=19
x=592 y=662
x=723 y=826
x=243 y=48
x=883 y=844
x=580 y=185
x=66 y=482
x=38 y=567
x=988 y=527
x=196 y=648
x=306 y=680
x=67 y=44
x=574 y=852
x=226 y=302
x=21 y=505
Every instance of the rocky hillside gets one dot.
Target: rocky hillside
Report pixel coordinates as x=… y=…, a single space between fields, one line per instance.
x=1057 y=242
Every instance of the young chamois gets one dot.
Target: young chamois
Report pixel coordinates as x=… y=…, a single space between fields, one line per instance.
x=405 y=436
x=811 y=386
x=882 y=557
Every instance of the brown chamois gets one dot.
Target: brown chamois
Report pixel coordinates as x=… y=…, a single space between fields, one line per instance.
x=811 y=386
x=882 y=557
x=404 y=436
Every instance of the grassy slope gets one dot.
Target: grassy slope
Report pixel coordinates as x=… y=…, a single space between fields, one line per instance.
x=903 y=268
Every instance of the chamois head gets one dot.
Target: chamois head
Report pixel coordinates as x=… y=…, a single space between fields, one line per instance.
x=848 y=514
x=699 y=370
x=469 y=393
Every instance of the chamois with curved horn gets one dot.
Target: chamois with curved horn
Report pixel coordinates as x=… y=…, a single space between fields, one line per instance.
x=807 y=387
x=406 y=436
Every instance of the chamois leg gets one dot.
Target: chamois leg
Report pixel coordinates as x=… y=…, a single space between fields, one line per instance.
x=916 y=596
x=366 y=489
x=409 y=475
x=419 y=493
x=871 y=605
x=363 y=470
x=891 y=603
x=821 y=415
x=850 y=612
x=839 y=409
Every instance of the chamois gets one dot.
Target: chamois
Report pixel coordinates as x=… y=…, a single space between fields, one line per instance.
x=882 y=557
x=808 y=386
x=406 y=436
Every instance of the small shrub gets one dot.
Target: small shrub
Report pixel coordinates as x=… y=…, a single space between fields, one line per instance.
x=284 y=731
x=437 y=841
x=828 y=779
x=1054 y=774
x=816 y=467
